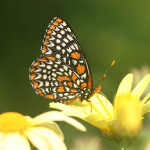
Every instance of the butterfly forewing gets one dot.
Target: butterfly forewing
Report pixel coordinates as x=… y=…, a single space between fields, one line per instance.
x=62 y=72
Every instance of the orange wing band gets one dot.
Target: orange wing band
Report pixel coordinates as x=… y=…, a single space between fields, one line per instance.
x=80 y=69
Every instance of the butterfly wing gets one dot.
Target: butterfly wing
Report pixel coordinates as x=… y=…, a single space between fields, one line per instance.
x=62 y=72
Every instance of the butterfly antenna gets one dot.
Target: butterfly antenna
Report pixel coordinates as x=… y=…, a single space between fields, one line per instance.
x=104 y=75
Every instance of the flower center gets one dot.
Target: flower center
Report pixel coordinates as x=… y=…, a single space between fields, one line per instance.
x=13 y=122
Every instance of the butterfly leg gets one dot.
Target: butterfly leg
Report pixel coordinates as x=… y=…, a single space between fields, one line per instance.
x=78 y=98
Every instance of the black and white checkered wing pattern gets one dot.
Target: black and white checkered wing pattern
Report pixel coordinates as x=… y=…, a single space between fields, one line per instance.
x=62 y=72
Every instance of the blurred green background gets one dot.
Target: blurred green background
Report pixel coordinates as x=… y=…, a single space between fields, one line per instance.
x=107 y=30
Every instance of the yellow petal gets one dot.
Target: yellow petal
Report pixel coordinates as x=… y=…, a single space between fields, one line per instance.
x=140 y=88
x=53 y=141
x=146 y=108
x=102 y=106
x=124 y=88
x=69 y=110
x=54 y=127
x=2 y=140
x=16 y=141
x=57 y=116
x=39 y=142
x=125 y=85
x=145 y=99
x=93 y=119
x=145 y=104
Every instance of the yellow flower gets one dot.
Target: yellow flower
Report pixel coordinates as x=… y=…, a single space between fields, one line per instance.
x=16 y=130
x=123 y=119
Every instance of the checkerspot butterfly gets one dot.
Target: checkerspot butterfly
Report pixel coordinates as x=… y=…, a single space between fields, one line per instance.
x=62 y=73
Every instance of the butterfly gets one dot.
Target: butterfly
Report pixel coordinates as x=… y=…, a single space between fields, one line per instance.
x=62 y=72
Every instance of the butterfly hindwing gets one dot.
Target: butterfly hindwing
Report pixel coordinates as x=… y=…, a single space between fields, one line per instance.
x=62 y=72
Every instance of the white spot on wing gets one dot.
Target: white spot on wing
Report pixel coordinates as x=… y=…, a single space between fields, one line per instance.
x=54 y=74
x=65 y=40
x=52 y=38
x=54 y=89
x=75 y=86
x=69 y=37
x=56 y=29
x=49 y=50
x=47 y=90
x=60 y=73
x=64 y=23
x=69 y=50
x=65 y=83
x=78 y=82
x=38 y=70
x=58 y=56
x=53 y=78
x=53 y=70
x=63 y=44
x=66 y=68
x=49 y=67
x=63 y=51
x=50 y=62
x=84 y=75
x=61 y=69
x=44 y=76
x=76 y=46
x=53 y=33
x=38 y=76
x=66 y=94
x=65 y=73
x=67 y=89
x=44 y=70
x=71 y=96
x=57 y=41
x=58 y=62
x=49 y=77
x=42 y=65
x=46 y=83
x=72 y=46
x=81 y=61
x=64 y=59
x=61 y=95
x=69 y=29
x=59 y=35
x=56 y=83
x=60 y=26
x=51 y=44
x=70 y=72
x=74 y=61
x=58 y=47
x=62 y=32
x=56 y=66
x=40 y=84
